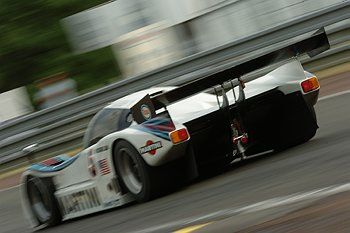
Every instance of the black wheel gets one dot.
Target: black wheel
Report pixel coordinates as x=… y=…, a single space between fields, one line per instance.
x=134 y=174
x=42 y=201
x=297 y=129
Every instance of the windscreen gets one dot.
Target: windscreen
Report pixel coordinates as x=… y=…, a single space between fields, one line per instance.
x=107 y=121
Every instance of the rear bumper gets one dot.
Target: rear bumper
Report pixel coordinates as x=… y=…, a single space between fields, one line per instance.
x=267 y=118
x=311 y=98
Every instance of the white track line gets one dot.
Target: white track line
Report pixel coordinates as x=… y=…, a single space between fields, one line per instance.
x=263 y=205
x=9 y=188
x=334 y=95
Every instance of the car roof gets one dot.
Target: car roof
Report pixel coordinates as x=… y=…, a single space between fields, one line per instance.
x=129 y=100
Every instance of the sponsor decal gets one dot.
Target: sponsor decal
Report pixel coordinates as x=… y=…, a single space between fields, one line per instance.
x=143 y=110
x=101 y=149
x=103 y=167
x=79 y=201
x=111 y=203
x=151 y=147
x=76 y=199
x=146 y=112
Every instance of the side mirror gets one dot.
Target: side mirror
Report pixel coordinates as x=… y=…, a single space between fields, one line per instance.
x=30 y=149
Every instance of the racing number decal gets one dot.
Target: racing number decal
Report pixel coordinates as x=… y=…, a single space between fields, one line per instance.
x=151 y=147
x=146 y=112
x=143 y=110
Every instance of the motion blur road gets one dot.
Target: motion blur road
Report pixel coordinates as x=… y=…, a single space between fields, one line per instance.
x=322 y=162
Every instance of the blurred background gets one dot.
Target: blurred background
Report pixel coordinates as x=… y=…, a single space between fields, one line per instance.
x=61 y=61
x=52 y=51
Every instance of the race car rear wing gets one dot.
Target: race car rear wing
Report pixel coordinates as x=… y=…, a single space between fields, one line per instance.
x=312 y=46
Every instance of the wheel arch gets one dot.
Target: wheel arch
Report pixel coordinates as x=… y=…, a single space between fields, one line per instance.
x=113 y=160
x=113 y=146
x=115 y=143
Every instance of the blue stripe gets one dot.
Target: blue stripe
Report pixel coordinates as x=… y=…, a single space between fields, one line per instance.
x=146 y=127
x=156 y=121
x=158 y=133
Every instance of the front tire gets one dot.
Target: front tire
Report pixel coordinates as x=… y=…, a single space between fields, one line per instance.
x=42 y=201
x=134 y=174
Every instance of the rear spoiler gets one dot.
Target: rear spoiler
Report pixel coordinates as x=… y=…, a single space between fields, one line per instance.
x=314 y=45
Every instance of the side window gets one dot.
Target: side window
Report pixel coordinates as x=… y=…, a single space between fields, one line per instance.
x=107 y=121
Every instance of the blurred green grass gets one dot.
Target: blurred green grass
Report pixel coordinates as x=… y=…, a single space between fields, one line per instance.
x=33 y=46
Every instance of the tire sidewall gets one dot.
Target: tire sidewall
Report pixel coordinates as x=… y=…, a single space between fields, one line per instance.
x=45 y=187
x=144 y=170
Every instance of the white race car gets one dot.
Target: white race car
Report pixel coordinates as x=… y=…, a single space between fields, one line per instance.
x=145 y=142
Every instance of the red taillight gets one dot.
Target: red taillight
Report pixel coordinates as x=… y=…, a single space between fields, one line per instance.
x=178 y=136
x=310 y=84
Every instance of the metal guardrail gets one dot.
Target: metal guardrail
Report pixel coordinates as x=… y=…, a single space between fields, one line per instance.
x=63 y=125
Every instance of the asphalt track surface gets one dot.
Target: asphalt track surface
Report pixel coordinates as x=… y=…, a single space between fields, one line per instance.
x=324 y=161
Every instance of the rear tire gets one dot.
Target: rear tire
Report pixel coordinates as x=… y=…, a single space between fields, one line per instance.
x=42 y=201
x=134 y=174
x=294 y=134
